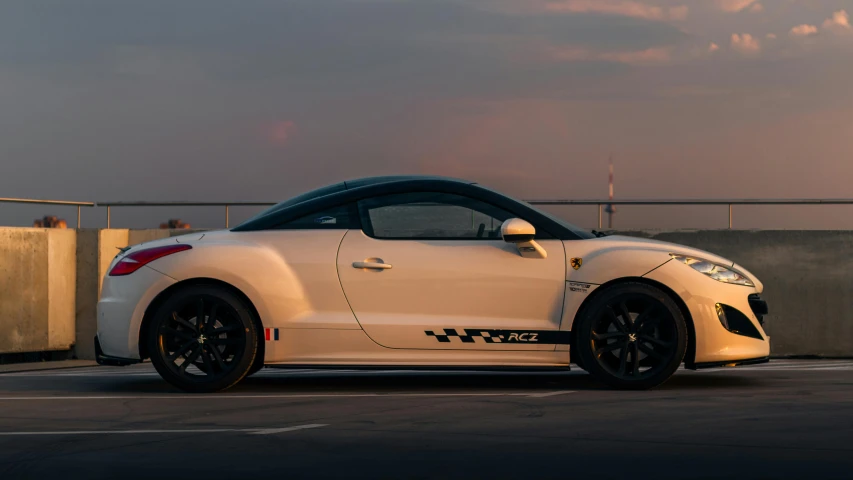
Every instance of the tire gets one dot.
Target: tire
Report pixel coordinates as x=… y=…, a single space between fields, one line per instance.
x=209 y=357
x=631 y=336
x=258 y=365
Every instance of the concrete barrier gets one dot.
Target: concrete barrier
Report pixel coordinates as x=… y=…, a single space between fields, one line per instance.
x=50 y=282
x=95 y=250
x=37 y=285
x=808 y=282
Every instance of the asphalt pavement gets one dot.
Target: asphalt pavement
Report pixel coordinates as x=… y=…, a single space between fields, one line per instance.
x=786 y=419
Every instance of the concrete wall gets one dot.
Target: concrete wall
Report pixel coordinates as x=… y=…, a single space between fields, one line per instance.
x=95 y=250
x=808 y=282
x=36 y=289
x=50 y=281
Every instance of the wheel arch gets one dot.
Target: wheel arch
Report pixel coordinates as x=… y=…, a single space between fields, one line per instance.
x=689 y=355
x=168 y=292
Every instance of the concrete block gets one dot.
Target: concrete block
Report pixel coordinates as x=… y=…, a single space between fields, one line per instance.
x=37 y=282
x=96 y=250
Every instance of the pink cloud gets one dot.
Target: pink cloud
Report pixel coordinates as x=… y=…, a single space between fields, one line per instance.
x=713 y=47
x=745 y=43
x=733 y=6
x=281 y=132
x=637 y=57
x=627 y=8
x=803 y=30
x=839 y=21
x=678 y=13
x=641 y=57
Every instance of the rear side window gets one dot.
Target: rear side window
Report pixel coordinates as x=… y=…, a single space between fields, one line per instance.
x=341 y=217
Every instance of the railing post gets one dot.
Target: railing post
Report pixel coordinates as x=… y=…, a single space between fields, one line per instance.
x=78 y=217
x=599 y=216
x=730 y=216
x=108 y=216
x=226 y=216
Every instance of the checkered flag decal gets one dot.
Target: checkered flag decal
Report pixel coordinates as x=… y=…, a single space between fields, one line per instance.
x=468 y=337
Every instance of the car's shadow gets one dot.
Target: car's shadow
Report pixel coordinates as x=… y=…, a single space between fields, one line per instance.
x=431 y=382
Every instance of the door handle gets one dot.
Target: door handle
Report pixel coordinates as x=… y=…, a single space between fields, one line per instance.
x=372 y=265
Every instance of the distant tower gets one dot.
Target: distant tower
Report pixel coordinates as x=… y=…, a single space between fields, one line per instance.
x=610 y=209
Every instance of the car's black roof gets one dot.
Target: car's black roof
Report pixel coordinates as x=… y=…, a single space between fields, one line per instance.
x=353 y=190
x=362 y=182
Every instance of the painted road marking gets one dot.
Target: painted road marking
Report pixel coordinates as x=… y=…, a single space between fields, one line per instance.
x=270 y=431
x=551 y=394
x=272 y=397
x=251 y=431
x=148 y=371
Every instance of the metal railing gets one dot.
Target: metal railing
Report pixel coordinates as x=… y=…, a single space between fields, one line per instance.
x=598 y=203
x=227 y=205
x=728 y=202
x=50 y=202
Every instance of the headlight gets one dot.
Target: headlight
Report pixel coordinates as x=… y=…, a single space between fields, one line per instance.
x=718 y=272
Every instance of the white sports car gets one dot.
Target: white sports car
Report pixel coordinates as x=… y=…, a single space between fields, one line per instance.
x=423 y=272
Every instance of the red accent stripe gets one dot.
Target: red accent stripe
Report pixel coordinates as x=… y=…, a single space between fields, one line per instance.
x=267 y=334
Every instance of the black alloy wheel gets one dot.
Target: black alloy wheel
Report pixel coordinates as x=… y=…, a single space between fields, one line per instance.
x=203 y=339
x=631 y=336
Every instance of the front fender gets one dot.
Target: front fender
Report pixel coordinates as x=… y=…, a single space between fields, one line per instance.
x=602 y=262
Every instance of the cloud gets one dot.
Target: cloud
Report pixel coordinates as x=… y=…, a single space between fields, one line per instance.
x=839 y=21
x=745 y=43
x=281 y=132
x=756 y=8
x=733 y=6
x=771 y=36
x=713 y=47
x=654 y=55
x=627 y=8
x=642 y=57
x=803 y=30
x=678 y=13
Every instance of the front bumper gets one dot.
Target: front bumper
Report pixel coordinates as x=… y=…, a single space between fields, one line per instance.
x=715 y=344
x=749 y=361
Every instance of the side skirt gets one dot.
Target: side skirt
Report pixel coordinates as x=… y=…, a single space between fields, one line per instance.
x=457 y=368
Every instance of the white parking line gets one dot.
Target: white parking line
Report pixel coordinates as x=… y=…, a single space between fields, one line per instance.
x=251 y=431
x=270 y=431
x=261 y=397
x=551 y=394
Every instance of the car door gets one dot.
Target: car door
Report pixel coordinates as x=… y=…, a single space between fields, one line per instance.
x=430 y=270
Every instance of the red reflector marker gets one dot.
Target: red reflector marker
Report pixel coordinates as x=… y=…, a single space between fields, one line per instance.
x=139 y=259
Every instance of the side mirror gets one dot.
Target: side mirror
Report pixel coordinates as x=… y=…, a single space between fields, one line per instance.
x=522 y=233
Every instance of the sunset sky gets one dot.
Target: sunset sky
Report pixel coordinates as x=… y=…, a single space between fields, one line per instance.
x=262 y=99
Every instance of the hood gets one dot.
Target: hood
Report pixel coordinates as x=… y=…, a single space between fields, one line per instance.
x=621 y=241
x=649 y=245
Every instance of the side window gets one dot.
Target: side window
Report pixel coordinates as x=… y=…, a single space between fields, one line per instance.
x=437 y=216
x=340 y=217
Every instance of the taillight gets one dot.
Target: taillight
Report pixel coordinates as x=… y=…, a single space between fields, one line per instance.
x=140 y=258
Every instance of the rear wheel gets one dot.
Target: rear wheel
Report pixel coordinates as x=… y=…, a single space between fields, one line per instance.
x=203 y=339
x=632 y=336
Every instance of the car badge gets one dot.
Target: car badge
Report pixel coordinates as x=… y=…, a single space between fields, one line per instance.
x=326 y=220
x=576 y=262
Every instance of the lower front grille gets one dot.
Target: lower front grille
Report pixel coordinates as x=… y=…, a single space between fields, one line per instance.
x=758 y=306
x=736 y=322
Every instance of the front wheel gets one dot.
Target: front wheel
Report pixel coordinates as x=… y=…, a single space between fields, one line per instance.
x=203 y=339
x=631 y=336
